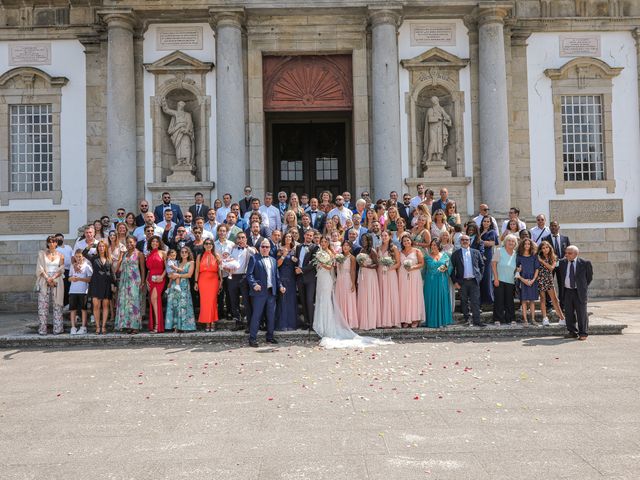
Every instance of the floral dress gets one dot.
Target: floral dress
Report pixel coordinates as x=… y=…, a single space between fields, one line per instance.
x=179 y=305
x=128 y=312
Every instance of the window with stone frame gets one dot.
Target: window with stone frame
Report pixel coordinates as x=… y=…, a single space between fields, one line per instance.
x=30 y=161
x=582 y=93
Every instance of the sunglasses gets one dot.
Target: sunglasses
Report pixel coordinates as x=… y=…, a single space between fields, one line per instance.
x=264 y=246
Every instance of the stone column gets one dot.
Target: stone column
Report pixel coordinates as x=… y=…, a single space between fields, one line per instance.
x=121 y=111
x=493 y=111
x=636 y=36
x=385 y=101
x=230 y=102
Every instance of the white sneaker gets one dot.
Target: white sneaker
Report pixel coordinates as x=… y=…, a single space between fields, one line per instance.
x=545 y=322
x=562 y=323
x=497 y=324
x=82 y=331
x=74 y=331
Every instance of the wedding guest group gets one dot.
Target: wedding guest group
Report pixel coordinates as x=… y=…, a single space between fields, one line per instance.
x=393 y=263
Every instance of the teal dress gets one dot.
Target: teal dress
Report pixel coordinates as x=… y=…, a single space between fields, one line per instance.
x=437 y=296
x=180 y=306
x=128 y=313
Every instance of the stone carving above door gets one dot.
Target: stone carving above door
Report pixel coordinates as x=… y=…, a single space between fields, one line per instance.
x=307 y=83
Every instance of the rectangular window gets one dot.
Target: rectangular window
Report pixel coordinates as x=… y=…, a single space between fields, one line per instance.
x=582 y=139
x=326 y=168
x=31 y=148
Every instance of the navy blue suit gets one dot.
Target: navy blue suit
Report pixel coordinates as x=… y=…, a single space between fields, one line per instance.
x=177 y=213
x=263 y=301
x=469 y=287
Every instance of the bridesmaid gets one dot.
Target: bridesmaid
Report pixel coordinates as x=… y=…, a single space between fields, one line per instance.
x=437 y=296
x=410 y=284
x=368 y=290
x=420 y=235
x=401 y=225
x=287 y=303
x=345 y=290
x=155 y=282
x=208 y=282
x=489 y=237
x=180 y=315
x=132 y=270
x=388 y=281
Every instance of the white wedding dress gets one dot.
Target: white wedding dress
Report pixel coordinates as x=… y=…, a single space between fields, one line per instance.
x=328 y=321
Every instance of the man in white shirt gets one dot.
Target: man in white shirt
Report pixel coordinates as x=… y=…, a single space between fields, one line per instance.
x=149 y=220
x=274 y=221
x=211 y=225
x=255 y=208
x=221 y=213
x=205 y=233
x=238 y=286
x=167 y=225
x=375 y=233
x=513 y=215
x=346 y=196
x=540 y=230
x=223 y=248
x=340 y=210
x=418 y=199
x=484 y=211
x=188 y=221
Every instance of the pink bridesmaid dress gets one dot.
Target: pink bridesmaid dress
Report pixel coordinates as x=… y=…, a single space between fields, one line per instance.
x=345 y=298
x=389 y=298
x=410 y=284
x=368 y=299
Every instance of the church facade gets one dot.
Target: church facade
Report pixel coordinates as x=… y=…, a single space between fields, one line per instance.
x=527 y=103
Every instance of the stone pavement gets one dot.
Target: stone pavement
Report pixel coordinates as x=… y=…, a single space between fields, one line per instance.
x=515 y=408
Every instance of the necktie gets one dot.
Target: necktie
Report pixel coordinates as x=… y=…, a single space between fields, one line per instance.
x=572 y=274
x=198 y=211
x=555 y=245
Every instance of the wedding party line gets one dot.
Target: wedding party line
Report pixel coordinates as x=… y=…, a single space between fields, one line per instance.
x=328 y=263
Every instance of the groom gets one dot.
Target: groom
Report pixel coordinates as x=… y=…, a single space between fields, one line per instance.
x=306 y=276
x=264 y=283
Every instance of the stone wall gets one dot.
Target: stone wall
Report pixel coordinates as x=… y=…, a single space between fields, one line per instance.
x=17 y=272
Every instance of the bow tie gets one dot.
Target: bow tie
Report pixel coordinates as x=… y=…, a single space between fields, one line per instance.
x=305 y=245
x=265 y=256
x=240 y=248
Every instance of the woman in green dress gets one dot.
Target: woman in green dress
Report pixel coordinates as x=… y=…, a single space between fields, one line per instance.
x=132 y=272
x=180 y=316
x=437 y=296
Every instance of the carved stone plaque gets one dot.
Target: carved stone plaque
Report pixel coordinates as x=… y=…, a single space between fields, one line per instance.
x=433 y=34
x=586 y=211
x=30 y=222
x=21 y=54
x=580 y=45
x=179 y=38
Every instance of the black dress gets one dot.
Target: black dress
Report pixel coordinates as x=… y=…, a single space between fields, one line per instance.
x=101 y=280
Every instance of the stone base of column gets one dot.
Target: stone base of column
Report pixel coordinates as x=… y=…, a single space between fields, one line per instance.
x=181 y=192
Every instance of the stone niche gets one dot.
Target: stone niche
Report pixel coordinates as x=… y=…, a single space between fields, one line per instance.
x=180 y=78
x=435 y=73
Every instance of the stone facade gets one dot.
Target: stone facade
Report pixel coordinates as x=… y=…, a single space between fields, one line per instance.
x=496 y=67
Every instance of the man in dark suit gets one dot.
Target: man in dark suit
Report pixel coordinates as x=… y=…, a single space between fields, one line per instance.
x=559 y=243
x=318 y=218
x=144 y=208
x=306 y=225
x=264 y=285
x=166 y=204
x=199 y=209
x=255 y=235
x=306 y=276
x=245 y=203
x=404 y=208
x=576 y=275
x=468 y=267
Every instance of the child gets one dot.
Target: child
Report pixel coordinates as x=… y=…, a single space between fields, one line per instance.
x=79 y=278
x=171 y=268
x=457 y=229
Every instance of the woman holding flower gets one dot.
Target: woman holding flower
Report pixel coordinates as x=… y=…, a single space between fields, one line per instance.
x=388 y=265
x=410 y=284
x=437 y=296
x=345 y=291
x=368 y=290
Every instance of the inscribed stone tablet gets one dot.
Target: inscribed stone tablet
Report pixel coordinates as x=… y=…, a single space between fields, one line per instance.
x=586 y=211
x=21 y=54
x=580 y=45
x=433 y=34
x=39 y=221
x=179 y=38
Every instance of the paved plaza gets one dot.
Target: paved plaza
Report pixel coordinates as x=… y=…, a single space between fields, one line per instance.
x=515 y=408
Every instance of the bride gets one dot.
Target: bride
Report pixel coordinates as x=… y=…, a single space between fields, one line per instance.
x=328 y=321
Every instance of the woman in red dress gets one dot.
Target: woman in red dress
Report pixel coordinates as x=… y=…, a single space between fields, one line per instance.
x=155 y=282
x=208 y=283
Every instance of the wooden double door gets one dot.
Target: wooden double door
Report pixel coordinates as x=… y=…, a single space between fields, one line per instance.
x=310 y=156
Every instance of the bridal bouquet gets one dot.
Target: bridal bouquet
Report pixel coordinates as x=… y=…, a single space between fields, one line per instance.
x=386 y=261
x=363 y=259
x=407 y=264
x=443 y=268
x=322 y=258
x=340 y=258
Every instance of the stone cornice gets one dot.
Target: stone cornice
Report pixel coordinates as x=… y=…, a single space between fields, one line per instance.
x=389 y=15
x=227 y=17
x=493 y=12
x=573 y=24
x=119 y=18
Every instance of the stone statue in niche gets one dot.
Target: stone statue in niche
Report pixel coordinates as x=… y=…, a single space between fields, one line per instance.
x=181 y=132
x=436 y=133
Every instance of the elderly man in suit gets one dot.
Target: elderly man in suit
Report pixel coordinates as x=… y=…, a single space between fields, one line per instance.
x=559 y=243
x=306 y=275
x=468 y=267
x=575 y=274
x=264 y=285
